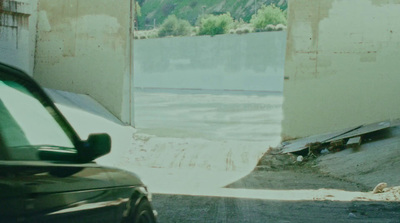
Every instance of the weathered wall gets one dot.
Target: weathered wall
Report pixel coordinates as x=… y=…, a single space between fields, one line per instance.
x=84 y=46
x=235 y=62
x=17 y=33
x=342 y=61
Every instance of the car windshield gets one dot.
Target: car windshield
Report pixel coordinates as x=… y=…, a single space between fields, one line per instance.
x=25 y=121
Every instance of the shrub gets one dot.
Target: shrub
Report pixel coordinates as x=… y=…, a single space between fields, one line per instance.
x=270 y=27
x=280 y=27
x=238 y=23
x=239 y=31
x=138 y=10
x=172 y=26
x=214 y=25
x=268 y=15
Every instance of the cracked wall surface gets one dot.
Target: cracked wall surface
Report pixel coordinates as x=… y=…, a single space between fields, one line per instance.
x=342 y=65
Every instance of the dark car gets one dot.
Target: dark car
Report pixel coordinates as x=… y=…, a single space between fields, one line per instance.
x=48 y=174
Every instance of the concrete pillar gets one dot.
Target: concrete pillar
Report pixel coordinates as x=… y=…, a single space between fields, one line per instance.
x=84 y=46
x=342 y=65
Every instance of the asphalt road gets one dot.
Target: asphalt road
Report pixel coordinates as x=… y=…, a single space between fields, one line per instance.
x=180 y=208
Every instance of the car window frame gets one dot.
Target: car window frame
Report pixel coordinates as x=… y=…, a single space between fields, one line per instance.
x=11 y=74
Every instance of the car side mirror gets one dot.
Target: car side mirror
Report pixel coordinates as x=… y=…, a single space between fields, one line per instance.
x=95 y=146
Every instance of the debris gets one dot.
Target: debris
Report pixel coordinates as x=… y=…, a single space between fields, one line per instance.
x=379 y=188
x=324 y=151
x=300 y=159
x=304 y=143
x=314 y=149
x=335 y=139
x=368 y=128
x=354 y=142
x=336 y=145
x=352 y=215
x=271 y=161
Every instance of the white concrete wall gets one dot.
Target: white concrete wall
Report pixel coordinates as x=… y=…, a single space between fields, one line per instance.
x=84 y=46
x=17 y=33
x=343 y=62
x=251 y=62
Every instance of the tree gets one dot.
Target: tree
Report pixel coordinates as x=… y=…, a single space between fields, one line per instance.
x=172 y=26
x=268 y=15
x=138 y=10
x=214 y=25
x=138 y=13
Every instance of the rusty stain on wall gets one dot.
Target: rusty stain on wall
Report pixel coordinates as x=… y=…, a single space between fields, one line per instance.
x=13 y=17
x=384 y=2
x=14 y=12
x=289 y=38
x=322 y=13
x=316 y=12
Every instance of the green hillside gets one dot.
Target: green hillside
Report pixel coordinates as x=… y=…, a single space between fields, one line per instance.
x=155 y=11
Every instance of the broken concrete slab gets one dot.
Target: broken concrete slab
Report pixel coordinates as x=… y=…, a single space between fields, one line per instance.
x=354 y=142
x=336 y=137
x=364 y=129
x=304 y=143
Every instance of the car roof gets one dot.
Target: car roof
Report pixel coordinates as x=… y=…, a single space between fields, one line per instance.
x=16 y=72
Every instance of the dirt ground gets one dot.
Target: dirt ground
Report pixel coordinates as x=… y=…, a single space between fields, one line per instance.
x=376 y=161
x=299 y=177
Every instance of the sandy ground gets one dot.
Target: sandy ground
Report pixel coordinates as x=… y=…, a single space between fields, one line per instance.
x=183 y=142
x=208 y=145
x=375 y=162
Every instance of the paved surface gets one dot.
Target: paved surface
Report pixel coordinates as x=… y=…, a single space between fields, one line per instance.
x=178 y=208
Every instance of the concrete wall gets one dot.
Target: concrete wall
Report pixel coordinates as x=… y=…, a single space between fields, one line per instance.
x=84 y=46
x=235 y=62
x=17 y=33
x=342 y=61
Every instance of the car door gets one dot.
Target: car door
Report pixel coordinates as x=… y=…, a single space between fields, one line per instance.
x=36 y=191
x=46 y=173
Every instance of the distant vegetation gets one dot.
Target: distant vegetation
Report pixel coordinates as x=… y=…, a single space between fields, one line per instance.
x=173 y=26
x=163 y=18
x=268 y=15
x=215 y=24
